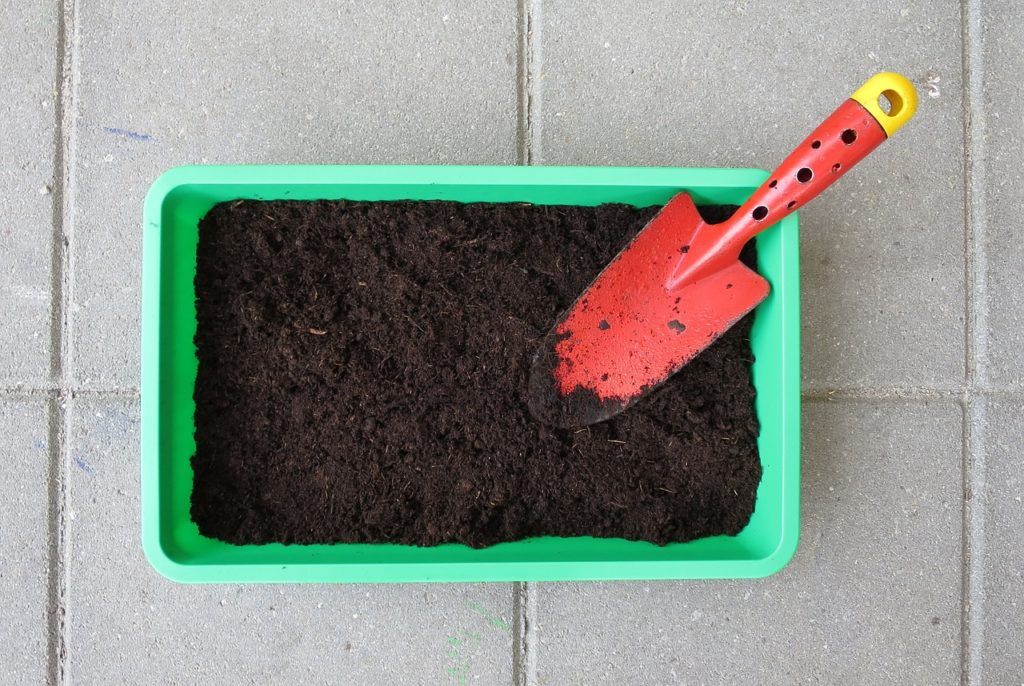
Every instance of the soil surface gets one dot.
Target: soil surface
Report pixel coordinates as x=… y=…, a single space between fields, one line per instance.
x=363 y=378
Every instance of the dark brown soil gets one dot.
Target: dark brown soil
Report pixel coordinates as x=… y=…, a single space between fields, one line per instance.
x=363 y=377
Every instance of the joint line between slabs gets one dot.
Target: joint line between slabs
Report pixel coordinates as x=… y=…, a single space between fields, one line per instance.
x=61 y=361
x=522 y=82
x=44 y=392
x=518 y=607
x=976 y=345
x=527 y=81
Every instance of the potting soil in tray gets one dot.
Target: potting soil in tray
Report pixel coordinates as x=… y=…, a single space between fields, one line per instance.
x=363 y=375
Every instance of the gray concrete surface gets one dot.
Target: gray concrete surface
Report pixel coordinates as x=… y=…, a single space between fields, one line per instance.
x=1002 y=654
x=909 y=565
x=1002 y=191
x=24 y=575
x=27 y=82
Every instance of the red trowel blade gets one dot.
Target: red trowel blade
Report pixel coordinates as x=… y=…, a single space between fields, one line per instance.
x=637 y=323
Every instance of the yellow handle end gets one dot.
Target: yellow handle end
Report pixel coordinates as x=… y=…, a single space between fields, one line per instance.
x=900 y=93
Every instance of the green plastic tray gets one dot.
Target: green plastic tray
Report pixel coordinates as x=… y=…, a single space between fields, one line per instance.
x=180 y=197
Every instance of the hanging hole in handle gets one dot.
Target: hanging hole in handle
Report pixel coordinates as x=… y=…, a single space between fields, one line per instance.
x=836 y=167
x=891 y=102
x=884 y=104
x=848 y=136
x=790 y=204
x=816 y=144
x=804 y=175
x=759 y=213
x=773 y=183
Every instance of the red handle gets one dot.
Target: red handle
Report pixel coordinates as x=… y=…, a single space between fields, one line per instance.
x=841 y=141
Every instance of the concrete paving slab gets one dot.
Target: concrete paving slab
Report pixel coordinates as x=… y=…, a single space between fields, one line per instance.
x=1002 y=611
x=28 y=56
x=24 y=453
x=128 y=624
x=1003 y=231
x=371 y=82
x=872 y=596
x=715 y=84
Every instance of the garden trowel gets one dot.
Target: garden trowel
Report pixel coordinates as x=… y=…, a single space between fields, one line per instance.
x=679 y=284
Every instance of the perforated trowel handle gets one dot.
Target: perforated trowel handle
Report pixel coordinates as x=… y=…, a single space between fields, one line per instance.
x=874 y=112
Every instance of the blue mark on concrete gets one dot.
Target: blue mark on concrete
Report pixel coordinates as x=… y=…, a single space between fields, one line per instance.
x=39 y=444
x=134 y=135
x=83 y=465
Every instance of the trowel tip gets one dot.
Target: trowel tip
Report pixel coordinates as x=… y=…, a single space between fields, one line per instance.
x=548 y=405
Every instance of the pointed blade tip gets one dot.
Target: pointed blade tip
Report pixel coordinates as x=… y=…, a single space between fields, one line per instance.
x=548 y=405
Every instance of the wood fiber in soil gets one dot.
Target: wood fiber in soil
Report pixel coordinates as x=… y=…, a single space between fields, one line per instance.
x=363 y=376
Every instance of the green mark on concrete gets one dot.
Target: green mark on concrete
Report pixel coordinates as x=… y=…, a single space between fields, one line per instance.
x=493 y=620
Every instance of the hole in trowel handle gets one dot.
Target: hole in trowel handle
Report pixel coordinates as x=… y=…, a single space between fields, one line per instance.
x=890 y=102
x=760 y=212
